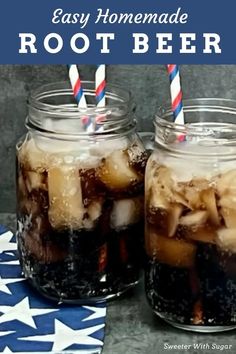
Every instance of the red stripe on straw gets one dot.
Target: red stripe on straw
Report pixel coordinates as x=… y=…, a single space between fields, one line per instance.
x=100 y=88
x=77 y=87
x=177 y=100
x=170 y=68
x=100 y=118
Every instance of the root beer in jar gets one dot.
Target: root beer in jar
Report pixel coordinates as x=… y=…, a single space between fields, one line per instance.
x=190 y=240
x=80 y=195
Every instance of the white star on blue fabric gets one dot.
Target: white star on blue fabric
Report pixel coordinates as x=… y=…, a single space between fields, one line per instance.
x=43 y=326
x=15 y=262
x=5 y=333
x=22 y=312
x=65 y=336
x=98 y=312
x=4 y=282
x=5 y=244
x=91 y=351
x=7 y=351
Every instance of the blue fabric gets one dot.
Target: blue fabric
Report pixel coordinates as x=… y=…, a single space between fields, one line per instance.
x=30 y=323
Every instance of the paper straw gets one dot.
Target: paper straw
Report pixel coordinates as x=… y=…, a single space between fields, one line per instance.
x=79 y=96
x=76 y=86
x=100 y=91
x=176 y=93
x=100 y=85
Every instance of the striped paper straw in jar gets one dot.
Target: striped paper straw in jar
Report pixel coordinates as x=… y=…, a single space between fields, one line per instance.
x=176 y=93
x=100 y=85
x=78 y=92
x=76 y=86
x=100 y=91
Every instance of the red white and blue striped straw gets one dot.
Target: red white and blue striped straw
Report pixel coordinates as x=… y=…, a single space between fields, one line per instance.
x=100 y=92
x=77 y=86
x=176 y=93
x=79 y=96
x=100 y=85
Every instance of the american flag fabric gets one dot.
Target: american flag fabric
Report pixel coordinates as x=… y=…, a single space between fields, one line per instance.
x=31 y=324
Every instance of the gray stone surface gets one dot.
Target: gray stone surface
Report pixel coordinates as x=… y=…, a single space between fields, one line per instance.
x=131 y=327
x=148 y=83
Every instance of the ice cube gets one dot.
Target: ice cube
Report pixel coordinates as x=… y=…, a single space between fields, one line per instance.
x=228 y=209
x=88 y=162
x=65 y=197
x=137 y=157
x=194 y=218
x=191 y=191
x=103 y=148
x=180 y=199
x=183 y=169
x=226 y=239
x=90 y=184
x=174 y=214
x=229 y=216
x=92 y=214
x=94 y=210
x=158 y=198
x=226 y=183
x=228 y=200
x=35 y=180
x=21 y=186
x=126 y=212
x=176 y=253
x=31 y=156
x=115 y=171
x=205 y=234
x=63 y=147
x=65 y=126
x=209 y=199
x=40 y=153
x=135 y=150
x=193 y=198
x=161 y=190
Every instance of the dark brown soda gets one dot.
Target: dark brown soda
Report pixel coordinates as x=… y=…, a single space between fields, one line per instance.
x=77 y=265
x=202 y=293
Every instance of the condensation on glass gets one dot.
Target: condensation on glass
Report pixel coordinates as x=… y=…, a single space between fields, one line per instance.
x=80 y=195
x=190 y=203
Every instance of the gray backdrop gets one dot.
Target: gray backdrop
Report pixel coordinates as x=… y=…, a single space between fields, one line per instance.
x=148 y=83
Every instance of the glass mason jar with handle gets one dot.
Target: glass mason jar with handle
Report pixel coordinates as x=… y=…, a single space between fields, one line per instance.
x=190 y=217
x=80 y=195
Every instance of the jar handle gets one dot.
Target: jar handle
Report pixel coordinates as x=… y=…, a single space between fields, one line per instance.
x=148 y=140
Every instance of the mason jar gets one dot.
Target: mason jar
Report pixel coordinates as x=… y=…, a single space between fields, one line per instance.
x=80 y=181
x=190 y=217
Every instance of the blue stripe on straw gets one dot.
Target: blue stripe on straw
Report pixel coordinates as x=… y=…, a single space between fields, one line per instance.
x=79 y=95
x=174 y=73
x=100 y=96
x=177 y=110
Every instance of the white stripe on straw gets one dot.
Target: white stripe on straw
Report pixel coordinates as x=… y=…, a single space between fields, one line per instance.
x=76 y=86
x=78 y=92
x=100 y=77
x=100 y=93
x=176 y=93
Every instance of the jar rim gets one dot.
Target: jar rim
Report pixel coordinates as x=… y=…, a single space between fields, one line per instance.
x=211 y=130
x=55 y=104
x=63 y=87
x=165 y=111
